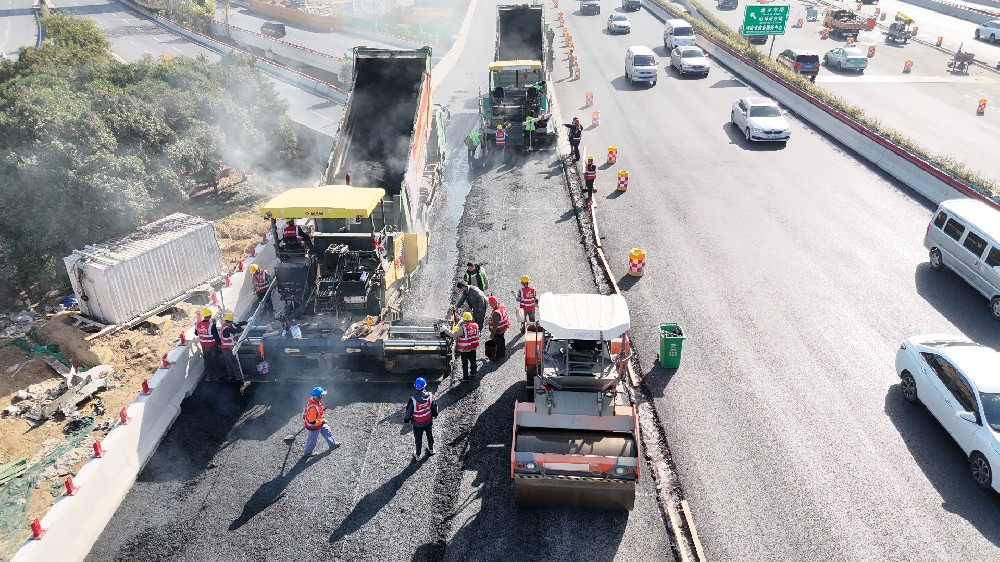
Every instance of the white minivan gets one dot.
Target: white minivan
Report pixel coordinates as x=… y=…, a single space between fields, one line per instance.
x=640 y=65
x=677 y=33
x=964 y=236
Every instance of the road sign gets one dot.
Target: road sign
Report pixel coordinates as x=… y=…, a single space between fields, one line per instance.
x=765 y=20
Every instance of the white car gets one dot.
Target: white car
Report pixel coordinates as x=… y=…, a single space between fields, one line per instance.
x=957 y=380
x=688 y=59
x=989 y=31
x=619 y=23
x=760 y=119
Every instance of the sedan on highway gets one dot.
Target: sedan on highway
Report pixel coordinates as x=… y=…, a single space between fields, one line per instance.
x=688 y=59
x=989 y=31
x=590 y=7
x=957 y=380
x=846 y=58
x=760 y=119
x=619 y=23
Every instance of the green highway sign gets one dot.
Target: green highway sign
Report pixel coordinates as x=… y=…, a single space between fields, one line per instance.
x=765 y=20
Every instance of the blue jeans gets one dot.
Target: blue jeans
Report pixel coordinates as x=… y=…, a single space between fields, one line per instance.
x=314 y=434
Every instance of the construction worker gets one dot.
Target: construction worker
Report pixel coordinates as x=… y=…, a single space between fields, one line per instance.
x=472 y=143
x=421 y=409
x=501 y=141
x=316 y=423
x=529 y=129
x=499 y=322
x=527 y=300
x=466 y=343
x=474 y=275
x=476 y=300
x=210 y=342
x=589 y=175
x=575 y=136
x=227 y=340
x=261 y=281
x=291 y=232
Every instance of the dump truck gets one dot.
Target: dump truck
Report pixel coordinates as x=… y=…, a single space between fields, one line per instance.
x=341 y=277
x=391 y=136
x=517 y=79
x=576 y=440
x=843 y=23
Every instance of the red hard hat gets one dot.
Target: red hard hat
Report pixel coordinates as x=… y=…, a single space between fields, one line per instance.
x=493 y=301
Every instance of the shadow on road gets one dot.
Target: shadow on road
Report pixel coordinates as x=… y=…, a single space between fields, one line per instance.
x=944 y=464
x=737 y=137
x=372 y=503
x=273 y=490
x=728 y=83
x=957 y=301
x=626 y=282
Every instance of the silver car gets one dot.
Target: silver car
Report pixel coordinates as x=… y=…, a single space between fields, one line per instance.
x=846 y=58
x=760 y=119
x=688 y=59
x=619 y=23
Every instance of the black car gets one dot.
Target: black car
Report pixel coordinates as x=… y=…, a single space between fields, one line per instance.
x=273 y=29
x=728 y=4
x=755 y=39
x=631 y=5
x=590 y=7
x=801 y=61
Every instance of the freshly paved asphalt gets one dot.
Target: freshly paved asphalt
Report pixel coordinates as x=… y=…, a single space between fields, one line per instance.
x=795 y=272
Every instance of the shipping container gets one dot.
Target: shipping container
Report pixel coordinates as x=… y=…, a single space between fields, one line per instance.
x=121 y=280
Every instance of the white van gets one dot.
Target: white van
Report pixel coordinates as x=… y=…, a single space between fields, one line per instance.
x=677 y=33
x=964 y=235
x=640 y=65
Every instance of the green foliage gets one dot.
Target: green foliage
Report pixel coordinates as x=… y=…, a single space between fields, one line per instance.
x=91 y=148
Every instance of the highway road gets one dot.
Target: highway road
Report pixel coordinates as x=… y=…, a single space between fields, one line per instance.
x=795 y=272
x=225 y=485
x=930 y=104
x=17 y=26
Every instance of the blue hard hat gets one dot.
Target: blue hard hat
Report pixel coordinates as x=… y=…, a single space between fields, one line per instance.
x=318 y=392
x=420 y=383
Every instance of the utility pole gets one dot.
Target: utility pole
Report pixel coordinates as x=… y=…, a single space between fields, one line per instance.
x=225 y=12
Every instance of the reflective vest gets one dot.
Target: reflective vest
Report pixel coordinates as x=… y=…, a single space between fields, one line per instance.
x=468 y=340
x=203 y=330
x=313 y=415
x=591 y=173
x=422 y=410
x=501 y=138
x=226 y=342
x=504 y=322
x=260 y=280
x=527 y=298
x=291 y=231
x=529 y=124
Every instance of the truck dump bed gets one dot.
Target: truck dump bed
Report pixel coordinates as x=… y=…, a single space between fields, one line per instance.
x=519 y=33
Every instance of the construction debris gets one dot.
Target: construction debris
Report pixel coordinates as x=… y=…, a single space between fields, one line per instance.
x=43 y=400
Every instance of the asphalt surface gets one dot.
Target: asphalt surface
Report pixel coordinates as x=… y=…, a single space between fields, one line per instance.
x=225 y=485
x=17 y=26
x=930 y=104
x=795 y=272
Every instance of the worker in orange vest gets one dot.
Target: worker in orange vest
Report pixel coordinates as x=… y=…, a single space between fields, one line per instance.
x=208 y=338
x=227 y=341
x=527 y=300
x=499 y=322
x=316 y=423
x=261 y=282
x=589 y=176
x=467 y=342
x=421 y=410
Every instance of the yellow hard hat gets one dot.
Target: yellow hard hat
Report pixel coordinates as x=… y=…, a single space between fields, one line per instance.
x=254 y=268
x=467 y=316
x=206 y=312
x=590 y=157
x=229 y=317
x=499 y=127
x=525 y=279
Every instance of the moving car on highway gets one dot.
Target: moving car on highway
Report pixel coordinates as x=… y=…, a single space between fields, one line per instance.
x=760 y=119
x=846 y=58
x=676 y=33
x=690 y=60
x=965 y=236
x=619 y=23
x=755 y=39
x=592 y=7
x=801 y=61
x=958 y=382
x=640 y=65
x=989 y=31
x=631 y=5
x=727 y=4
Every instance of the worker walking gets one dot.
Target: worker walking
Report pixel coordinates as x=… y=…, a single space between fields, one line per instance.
x=474 y=275
x=472 y=143
x=316 y=423
x=466 y=343
x=230 y=333
x=589 y=176
x=210 y=342
x=421 y=409
x=575 y=136
x=499 y=322
x=476 y=300
x=527 y=300
x=261 y=282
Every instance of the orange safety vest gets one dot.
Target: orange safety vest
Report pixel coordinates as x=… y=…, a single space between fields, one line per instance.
x=203 y=330
x=291 y=231
x=527 y=298
x=313 y=415
x=260 y=280
x=504 y=319
x=226 y=341
x=501 y=138
x=590 y=173
x=468 y=340
x=422 y=410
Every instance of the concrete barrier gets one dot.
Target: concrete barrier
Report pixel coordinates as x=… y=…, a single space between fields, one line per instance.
x=291 y=15
x=953 y=10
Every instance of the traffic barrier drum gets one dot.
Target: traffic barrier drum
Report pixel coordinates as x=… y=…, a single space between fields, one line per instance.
x=612 y=154
x=881 y=17
x=622 y=180
x=590 y=99
x=982 y=106
x=850 y=40
x=939 y=41
x=596 y=115
x=799 y=22
x=871 y=51
x=636 y=262
x=824 y=33
x=576 y=72
x=907 y=66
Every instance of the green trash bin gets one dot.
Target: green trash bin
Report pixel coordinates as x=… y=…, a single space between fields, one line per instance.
x=671 y=341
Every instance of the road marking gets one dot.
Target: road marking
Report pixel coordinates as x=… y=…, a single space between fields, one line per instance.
x=889 y=78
